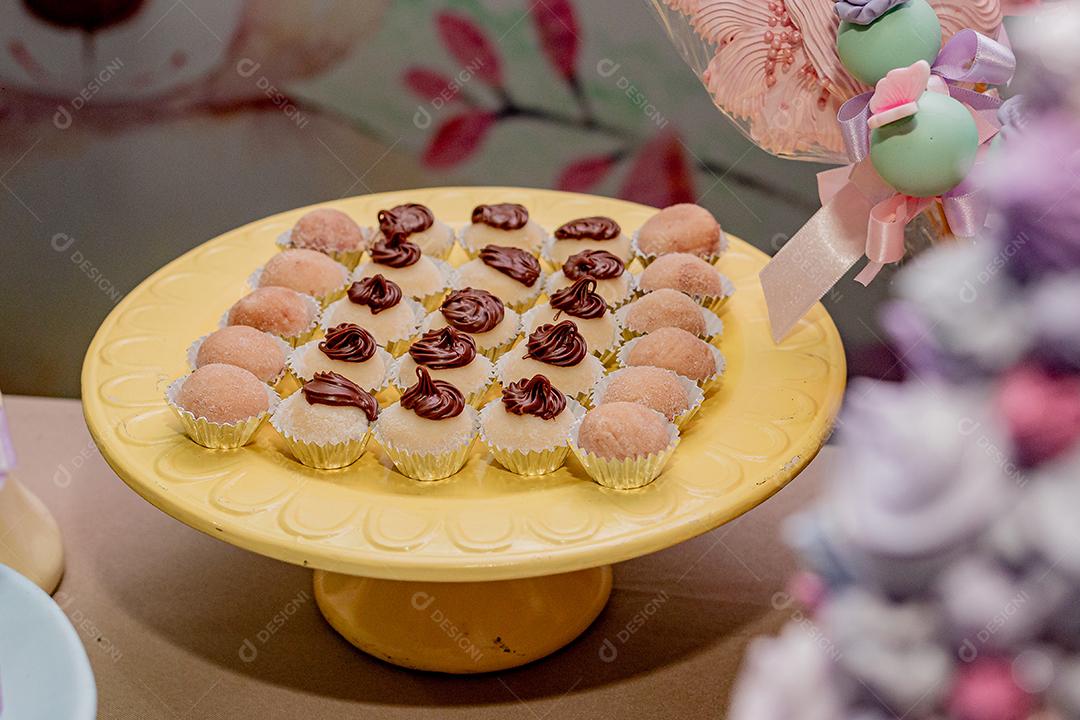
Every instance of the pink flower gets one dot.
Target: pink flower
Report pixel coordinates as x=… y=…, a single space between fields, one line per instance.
x=1042 y=412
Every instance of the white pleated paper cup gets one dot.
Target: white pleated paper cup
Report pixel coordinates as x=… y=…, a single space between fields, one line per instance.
x=605 y=355
x=695 y=395
x=219 y=436
x=596 y=369
x=298 y=367
x=646 y=258
x=336 y=294
x=395 y=346
x=474 y=396
x=300 y=338
x=348 y=258
x=708 y=385
x=193 y=356
x=710 y=302
x=529 y=463
x=323 y=456
x=558 y=277
x=714 y=326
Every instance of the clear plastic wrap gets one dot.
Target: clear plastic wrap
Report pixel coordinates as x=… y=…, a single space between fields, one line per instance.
x=770 y=66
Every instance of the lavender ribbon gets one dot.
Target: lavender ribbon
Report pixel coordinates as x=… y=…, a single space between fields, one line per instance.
x=968 y=57
x=864 y=12
x=7 y=450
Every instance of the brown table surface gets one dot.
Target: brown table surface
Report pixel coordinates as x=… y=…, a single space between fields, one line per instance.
x=165 y=612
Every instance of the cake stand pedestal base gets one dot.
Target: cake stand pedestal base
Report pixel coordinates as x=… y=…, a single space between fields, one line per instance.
x=466 y=627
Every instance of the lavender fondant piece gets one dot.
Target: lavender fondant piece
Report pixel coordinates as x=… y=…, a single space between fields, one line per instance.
x=864 y=12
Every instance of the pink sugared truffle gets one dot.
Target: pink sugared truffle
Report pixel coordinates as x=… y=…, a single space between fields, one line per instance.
x=676 y=350
x=682 y=228
x=683 y=272
x=653 y=387
x=223 y=394
x=245 y=347
x=665 y=308
x=622 y=430
x=306 y=271
x=327 y=230
x=276 y=310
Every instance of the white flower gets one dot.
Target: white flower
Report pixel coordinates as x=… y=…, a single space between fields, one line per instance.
x=789 y=677
x=968 y=301
x=892 y=649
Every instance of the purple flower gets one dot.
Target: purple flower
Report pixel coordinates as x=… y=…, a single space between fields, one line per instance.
x=919 y=475
x=1014 y=116
x=793 y=676
x=892 y=648
x=864 y=12
x=1033 y=184
x=1048 y=57
x=957 y=315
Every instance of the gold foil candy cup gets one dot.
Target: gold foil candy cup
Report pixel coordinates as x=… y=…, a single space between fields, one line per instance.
x=428 y=467
x=219 y=436
x=628 y=474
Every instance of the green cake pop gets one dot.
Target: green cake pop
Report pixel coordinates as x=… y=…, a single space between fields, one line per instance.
x=929 y=153
x=904 y=35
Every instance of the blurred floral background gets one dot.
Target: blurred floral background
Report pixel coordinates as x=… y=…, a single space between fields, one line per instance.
x=133 y=130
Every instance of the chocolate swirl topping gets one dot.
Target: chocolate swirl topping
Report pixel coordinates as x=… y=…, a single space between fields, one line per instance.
x=503 y=216
x=513 y=262
x=376 y=292
x=579 y=300
x=433 y=399
x=405 y=219
x=395 y=251
x=560 y=344
x=597 y=264
x=535 y=396
x=589 y=228
x=329 y=388
x=349 y=343
x=472 y=311
x=443 y=349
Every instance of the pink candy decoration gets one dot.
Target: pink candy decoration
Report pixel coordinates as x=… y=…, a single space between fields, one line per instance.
x=897 y=94
x=1042 y=413
x=808 y=589
x=985 y=690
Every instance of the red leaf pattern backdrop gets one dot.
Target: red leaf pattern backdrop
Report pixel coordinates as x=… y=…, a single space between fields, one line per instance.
x=657 y=171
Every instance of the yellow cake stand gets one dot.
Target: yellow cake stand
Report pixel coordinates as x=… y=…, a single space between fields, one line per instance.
x=485 y=570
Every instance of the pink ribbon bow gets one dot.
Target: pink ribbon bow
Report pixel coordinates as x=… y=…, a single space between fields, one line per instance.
x=861 y=215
